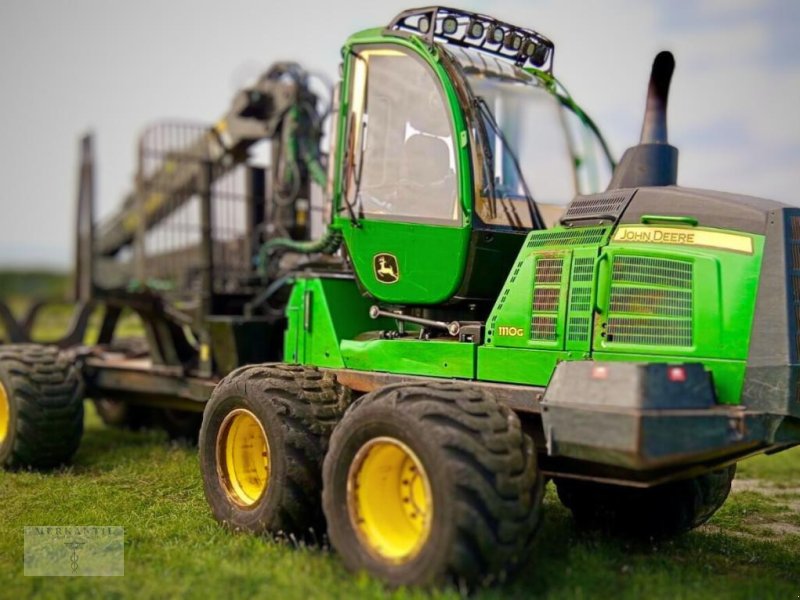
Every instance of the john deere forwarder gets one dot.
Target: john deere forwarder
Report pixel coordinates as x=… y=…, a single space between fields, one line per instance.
x=453 y=340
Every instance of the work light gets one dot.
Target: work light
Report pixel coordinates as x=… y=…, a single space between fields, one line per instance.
x=496 y=34
x=513 y=41
x=475 y=29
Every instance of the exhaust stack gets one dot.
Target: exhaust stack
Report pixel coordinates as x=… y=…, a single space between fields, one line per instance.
x=652 y=162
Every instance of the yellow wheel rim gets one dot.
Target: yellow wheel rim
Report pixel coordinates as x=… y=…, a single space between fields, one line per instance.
x=243 y=458
x=389 y=499
x=5 y=413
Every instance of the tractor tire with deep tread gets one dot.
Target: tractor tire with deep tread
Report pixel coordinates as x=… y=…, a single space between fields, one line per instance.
x=44 y=402
x=485 y=488
x=659 y=512
x=297 y=408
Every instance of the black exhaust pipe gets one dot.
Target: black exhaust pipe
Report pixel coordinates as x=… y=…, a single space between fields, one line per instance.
x=653 y=162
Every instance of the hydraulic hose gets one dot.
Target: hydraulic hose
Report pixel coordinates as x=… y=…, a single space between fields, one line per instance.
x=327 y=244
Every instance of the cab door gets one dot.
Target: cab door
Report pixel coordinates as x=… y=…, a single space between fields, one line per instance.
x=400 y=207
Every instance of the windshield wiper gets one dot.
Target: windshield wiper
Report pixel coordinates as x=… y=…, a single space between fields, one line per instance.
x=484 y=109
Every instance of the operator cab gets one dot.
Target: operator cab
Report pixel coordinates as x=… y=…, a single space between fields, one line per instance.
x=451 y=152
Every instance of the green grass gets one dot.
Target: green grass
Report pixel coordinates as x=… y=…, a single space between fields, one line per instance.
x=173 y=547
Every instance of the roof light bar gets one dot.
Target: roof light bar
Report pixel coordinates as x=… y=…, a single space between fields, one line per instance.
x=524 y=47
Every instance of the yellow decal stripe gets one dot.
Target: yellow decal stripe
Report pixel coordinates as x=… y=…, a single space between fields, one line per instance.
x=684 y=236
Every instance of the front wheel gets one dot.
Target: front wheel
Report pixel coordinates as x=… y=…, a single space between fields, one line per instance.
x=658 y=512
x=264 y=435
x=429 y=483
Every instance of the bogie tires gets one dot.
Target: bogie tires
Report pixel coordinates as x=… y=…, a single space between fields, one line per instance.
x=264 y=435
x=430 y=483
x=41 y=407
x=659 y=512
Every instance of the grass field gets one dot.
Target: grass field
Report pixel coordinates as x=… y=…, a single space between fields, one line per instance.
x=173 y=548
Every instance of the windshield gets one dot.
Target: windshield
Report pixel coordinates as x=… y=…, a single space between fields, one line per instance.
x=532 y=144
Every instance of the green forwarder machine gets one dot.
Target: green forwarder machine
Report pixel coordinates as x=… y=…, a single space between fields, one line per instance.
x=454 y=340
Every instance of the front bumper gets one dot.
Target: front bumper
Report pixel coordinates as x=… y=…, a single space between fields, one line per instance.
x=648 y=418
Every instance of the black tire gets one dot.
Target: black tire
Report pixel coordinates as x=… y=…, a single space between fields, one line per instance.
x=659 y=512
x=297 y=407
x=44 y=398
x=485 y=489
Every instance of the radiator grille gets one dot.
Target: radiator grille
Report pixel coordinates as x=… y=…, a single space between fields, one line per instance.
x=548 y=270
x=652 y=271
x=545 y=299
x=578 y=329
x=582 y=270
x=562 y=238
x=607 y=206
x=651 y=302
x=544 y=329
x=656 y=332
x=546 y=296
x=580 y=300
x=669 y=303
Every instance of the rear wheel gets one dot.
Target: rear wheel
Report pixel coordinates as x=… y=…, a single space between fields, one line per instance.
x=427 y=483
x=262 y=442
x=659 y=512
x=41 y=407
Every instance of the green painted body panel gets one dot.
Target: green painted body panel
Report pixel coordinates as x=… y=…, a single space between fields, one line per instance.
x=576 y=271
x=723 y=290
x=434 y=358
x=430 y=259
x=520 y=319
x=515 y=365
x=321 y=313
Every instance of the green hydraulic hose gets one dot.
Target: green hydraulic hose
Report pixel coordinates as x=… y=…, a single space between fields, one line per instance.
x=327 y=244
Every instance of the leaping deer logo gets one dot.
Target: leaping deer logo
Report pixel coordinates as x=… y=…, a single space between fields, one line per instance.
x=386 y=269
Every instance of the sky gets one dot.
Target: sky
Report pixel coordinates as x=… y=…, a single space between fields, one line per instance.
x=112 y=67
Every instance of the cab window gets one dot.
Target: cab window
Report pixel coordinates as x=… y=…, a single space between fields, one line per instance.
x=402 y=161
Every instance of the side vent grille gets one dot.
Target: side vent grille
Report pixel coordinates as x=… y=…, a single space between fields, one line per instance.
x=563 y=238
x=589 y=210
x=493 y=321
x=546 y=295
x=548 y=270
x=651 y=302
x=580 y=300
x=794 y=223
